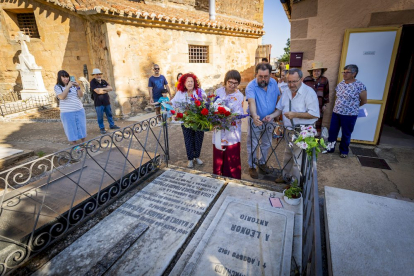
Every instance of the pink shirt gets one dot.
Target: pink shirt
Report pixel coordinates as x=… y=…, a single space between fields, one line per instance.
x=235 y=103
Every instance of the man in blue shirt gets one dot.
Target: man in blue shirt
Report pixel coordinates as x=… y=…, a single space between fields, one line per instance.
x=156 y=84
x=262 y=94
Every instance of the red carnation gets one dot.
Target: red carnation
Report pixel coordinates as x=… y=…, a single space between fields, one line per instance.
x=215 y=113
x=221 y=110
x=233 y=123
x=204 y=112
x=179 y=115
x=172 y=112
x=227 y=113
x=197 y=103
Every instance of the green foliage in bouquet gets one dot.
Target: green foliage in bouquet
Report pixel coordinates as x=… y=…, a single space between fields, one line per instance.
x=306 y=140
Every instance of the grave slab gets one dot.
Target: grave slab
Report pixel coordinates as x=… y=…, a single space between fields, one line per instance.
x=85 y=253
x=7 y=152
x=59 y=191
x=171 y=205
x=250 y=195
x=368 y=234
x=245 y=239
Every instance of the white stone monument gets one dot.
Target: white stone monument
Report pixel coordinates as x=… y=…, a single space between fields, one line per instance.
x=30 y=72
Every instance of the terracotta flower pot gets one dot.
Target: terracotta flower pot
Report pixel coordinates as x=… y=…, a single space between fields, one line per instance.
x=292 y=201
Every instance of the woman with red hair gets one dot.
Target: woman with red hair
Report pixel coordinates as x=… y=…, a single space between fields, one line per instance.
x=188 y=87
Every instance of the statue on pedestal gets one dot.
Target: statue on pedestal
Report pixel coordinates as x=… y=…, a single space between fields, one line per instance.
x=30 y=72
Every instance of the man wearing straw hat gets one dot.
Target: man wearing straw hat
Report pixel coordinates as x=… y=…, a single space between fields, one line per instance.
x=320 y=85
x=99 y=91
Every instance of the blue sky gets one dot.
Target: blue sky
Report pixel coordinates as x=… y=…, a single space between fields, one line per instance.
x=276 y=26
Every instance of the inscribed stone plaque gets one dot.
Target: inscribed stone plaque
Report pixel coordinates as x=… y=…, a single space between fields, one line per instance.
x=245 y=239
x=368 y=234
x=28 y=80
x=171 y=205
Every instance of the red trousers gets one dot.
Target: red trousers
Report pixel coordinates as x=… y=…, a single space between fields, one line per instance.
x=227 y=163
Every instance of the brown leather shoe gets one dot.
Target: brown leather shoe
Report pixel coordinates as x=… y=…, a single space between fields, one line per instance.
x=263 y=169
x=280 y=179
x=253 y=173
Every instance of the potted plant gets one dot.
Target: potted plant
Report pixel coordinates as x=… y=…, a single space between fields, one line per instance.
x=292 y=194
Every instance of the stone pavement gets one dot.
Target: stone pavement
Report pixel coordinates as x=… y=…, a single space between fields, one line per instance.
x=332 y=170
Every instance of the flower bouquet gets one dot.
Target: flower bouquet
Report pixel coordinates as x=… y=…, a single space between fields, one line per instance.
x=207 y=114
x=306 y=140
x=211 y=113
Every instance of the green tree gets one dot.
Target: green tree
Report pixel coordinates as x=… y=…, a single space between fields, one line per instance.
x=286 y=56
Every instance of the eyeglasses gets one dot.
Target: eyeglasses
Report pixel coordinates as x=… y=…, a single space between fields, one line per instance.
x=156 y=68
x=346 y=72
x=232 y=83
x=296 y=81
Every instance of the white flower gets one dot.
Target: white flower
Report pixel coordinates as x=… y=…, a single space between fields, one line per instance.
x=293 y=138
x=290 y=144
x=302 y=145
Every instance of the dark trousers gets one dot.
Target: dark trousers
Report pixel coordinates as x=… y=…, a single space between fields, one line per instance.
x=193 y=142
x=227 y=163
x=347 y=124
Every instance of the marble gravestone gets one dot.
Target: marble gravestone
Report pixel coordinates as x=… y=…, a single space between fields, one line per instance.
x=30 y=72
x=171 y=206
x=368 y=234
x=245 y=238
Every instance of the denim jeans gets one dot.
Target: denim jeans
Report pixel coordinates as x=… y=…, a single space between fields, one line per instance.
x=100 y=110
x=253 y=140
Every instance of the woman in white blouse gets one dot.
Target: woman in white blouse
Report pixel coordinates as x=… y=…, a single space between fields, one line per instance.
x=227 y=162
x=187 y=87
x=72 y=113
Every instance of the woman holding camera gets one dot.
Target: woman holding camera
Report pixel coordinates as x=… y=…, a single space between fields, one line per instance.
x=72 y=112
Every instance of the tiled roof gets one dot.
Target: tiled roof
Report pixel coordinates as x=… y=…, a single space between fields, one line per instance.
x=155 y=12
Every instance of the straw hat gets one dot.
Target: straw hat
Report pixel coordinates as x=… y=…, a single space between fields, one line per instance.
x=96 y=71
x=317 y=65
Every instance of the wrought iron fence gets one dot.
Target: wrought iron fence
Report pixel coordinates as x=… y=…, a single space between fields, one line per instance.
x=44 y=199
x=267 y=144
x=312 y=239
x=304 y=168
x=10 y=96
x=11 y=105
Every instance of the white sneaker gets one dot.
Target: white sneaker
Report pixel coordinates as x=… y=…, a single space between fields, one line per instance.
x=199 y=162
x=190 y=164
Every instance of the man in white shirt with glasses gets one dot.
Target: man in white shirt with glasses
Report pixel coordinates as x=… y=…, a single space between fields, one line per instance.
x=299 y=106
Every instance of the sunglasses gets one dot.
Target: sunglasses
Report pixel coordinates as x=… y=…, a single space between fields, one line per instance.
x=156 y=68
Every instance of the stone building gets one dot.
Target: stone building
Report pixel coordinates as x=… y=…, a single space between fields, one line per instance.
x=124 y=38
x=375 y=35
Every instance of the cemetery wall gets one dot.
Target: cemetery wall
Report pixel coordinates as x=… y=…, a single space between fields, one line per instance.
x=135 y=49
x=62 y=43
x=318 y=28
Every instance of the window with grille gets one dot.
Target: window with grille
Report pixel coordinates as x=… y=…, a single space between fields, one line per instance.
x=198 y=54
x=27 y=24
